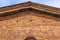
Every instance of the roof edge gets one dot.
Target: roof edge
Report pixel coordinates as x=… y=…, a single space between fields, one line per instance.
x=30 y=4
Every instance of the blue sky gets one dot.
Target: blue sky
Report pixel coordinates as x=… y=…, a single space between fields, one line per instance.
x=55 y=3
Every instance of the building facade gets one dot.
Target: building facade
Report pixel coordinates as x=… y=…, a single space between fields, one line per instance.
x=29 y=21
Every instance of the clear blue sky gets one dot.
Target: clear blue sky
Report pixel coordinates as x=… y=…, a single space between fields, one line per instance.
x=55 y=3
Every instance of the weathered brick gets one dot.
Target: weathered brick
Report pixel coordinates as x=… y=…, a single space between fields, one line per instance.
x=29 y=23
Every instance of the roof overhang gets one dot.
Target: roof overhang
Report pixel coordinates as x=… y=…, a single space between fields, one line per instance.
x=32 y=5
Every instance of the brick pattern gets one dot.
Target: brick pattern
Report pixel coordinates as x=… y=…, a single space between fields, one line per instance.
x=29 y=23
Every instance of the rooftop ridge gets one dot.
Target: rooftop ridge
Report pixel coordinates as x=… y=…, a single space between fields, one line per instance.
x=32 y=5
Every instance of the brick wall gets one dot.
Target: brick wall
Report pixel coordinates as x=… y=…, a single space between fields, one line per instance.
x=29 y=23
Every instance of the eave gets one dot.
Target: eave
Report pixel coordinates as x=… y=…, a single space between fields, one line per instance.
x=32 y=5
